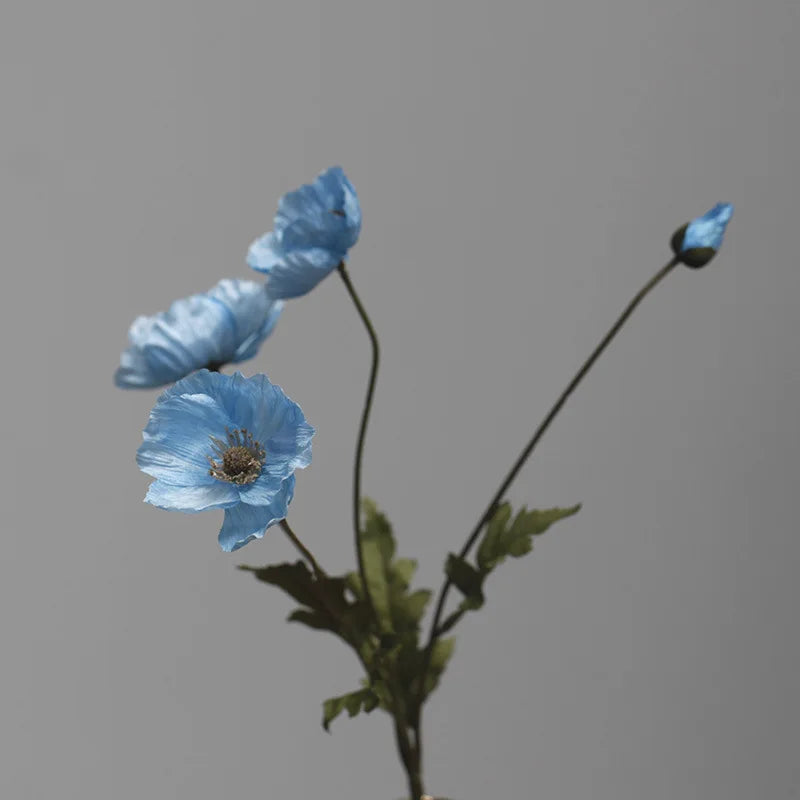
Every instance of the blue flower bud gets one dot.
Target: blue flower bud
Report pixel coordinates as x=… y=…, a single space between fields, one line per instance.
x=697 y=242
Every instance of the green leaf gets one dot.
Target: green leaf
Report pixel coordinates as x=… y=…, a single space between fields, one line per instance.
x=466 y=579
x=535 y=521
x=353 y=702
x=502 y=539
x=489 y=548
x=295 y=579
x=388 y=579
x=310 y=618
x=442 y=651
x=408 y=609
x=402 y=571
x=324 y=602
x=377 y=549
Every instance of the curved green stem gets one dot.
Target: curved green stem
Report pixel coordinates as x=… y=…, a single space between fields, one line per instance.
x=362 y=431
x=523 y=457
x=409 y=754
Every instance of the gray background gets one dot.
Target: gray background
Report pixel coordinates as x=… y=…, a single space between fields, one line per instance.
x=521 y=168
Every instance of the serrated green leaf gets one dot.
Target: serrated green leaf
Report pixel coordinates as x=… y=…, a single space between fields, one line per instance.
x=325 y=605
x=352 y=702
x=377 y=549
x=502 y=539
x=489 y=547
x=535 y=521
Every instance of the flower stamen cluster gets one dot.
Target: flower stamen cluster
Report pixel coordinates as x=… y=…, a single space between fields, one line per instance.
x=242 y=457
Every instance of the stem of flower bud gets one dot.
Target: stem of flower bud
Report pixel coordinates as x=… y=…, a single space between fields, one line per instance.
x=523 y=457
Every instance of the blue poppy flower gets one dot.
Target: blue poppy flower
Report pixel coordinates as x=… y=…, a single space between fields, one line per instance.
x=697 y=242
x=229 y=442
x=314 y=228
x=225 y=325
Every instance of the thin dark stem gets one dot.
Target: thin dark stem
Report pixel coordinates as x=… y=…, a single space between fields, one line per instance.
x=540 y=431
x=409 y=755
x=305 y=552
x=362 y=431
x=410 y=758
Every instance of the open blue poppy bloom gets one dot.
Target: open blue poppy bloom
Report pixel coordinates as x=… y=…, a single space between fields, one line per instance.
x=314 y=228
x=229 y=442
x=225 y=325
x=697 y=242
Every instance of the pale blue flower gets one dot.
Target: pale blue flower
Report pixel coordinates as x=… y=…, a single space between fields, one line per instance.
x=314 y=228
x=697 y=242
x=229 y=442
x=224 y=325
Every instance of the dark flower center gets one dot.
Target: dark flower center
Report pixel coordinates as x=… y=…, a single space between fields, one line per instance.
x=240 y=458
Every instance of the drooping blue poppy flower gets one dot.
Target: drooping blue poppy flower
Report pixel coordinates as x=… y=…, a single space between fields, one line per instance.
x=229 y=442
x=314 y=228
x=697 y=242
x=224 y=325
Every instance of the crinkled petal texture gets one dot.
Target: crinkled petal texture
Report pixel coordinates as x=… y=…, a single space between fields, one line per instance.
x=314 y=228
x=708 y=230
x=243 y=523
x=226 y=324
x=178 y=443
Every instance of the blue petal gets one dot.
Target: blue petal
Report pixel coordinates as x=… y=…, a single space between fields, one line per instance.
x=207 y=403
x=243 y=523
x=330 y=187
x=236 y=395
x=299 y=204
x=253 y=315
x=336 y=191
x=176 y=442
x=325 y=214
x=249 y=346
x=279 y=424
x=192 y=499
x=300 y=271
x=289 y=443
x=262 y=491
x=264 y=253
x=314 y=228
x=708 y=230
x=192 y=333
x=228 y=323
x=135 y=373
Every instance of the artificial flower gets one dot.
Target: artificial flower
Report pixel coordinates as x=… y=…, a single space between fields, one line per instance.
x=228 y=442
x=314 y=228
x=224 y=325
